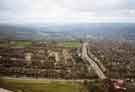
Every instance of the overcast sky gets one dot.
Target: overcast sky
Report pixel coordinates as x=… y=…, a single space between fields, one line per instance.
x=67 y=11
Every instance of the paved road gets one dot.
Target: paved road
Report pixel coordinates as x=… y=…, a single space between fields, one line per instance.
x=96 y=60
x=92 y=63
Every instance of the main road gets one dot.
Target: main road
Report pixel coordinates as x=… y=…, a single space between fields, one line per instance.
x=91 y=62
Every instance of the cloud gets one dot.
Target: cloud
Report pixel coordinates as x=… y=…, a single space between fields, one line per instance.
x=87 y=5
x=67 y=10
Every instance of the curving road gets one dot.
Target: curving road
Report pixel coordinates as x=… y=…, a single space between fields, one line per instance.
x=91 y=62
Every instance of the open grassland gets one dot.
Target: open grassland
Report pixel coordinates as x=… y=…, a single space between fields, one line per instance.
x=27 y=43
x=3 y=45
x=18 y=43
x=72 y=44
x=23 y=85
x=22 y=44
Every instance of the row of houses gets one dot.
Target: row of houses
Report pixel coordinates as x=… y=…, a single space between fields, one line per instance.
x=117 y=57
x=43 y=61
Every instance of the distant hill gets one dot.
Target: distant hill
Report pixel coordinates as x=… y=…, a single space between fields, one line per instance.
x=112 y=31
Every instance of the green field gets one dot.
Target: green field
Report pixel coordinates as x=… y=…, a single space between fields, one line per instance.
x=3 y=44
x=72 y=44
x=42 y=86
x=19 y=43
x=22 y=44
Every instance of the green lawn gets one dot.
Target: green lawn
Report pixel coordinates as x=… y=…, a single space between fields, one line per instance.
x=71 y=44
x=42 y=86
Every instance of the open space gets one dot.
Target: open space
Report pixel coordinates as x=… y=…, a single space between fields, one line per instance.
x=41 y=85
x=72 y=44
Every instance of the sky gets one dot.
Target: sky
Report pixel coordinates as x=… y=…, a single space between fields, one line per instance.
x=30 y=11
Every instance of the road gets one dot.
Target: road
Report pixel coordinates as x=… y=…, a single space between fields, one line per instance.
x=96 y=61
x=91 y=62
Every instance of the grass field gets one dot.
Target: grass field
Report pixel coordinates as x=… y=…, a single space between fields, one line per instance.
x=3 y=45
x=22 y=44
x=19 y=43
x=72 y=44
x=42 y=86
